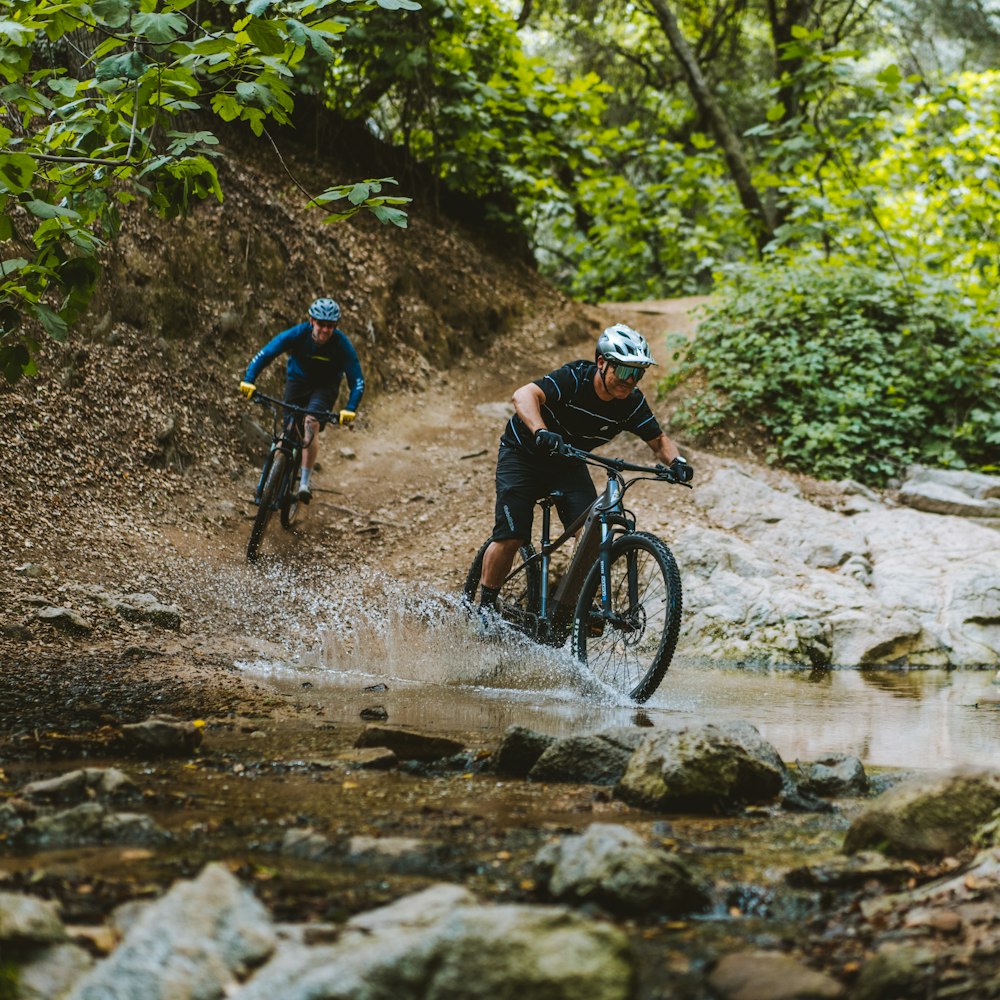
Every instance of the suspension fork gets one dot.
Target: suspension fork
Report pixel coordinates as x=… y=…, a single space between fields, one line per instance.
x=612 y=503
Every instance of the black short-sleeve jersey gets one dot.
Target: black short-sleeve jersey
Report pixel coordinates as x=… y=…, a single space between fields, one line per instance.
x=573 y=409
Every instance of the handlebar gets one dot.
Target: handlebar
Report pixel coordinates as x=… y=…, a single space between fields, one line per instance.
x=619 y=465
x=264 y=400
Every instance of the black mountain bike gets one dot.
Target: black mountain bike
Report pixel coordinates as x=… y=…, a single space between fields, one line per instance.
x=619 y=598
x=278 y=487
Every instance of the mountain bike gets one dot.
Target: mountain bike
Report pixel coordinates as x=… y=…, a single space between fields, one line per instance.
x=278 y=486
x=620 y=596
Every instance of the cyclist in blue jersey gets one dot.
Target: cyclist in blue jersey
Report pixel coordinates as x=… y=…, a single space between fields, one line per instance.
x=319 y=357
x=584 y=404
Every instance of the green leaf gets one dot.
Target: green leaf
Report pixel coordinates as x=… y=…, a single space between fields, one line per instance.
x=16 y=172
x=46 y=210
x=398 y=5
x=129 y=65
x=15 y=33
x=385 y=214
x=257 y=7
x=113 y=13
x=158 y=28
x=11 y=266
x=359 y=193
x=265 y=35
x=55 y=325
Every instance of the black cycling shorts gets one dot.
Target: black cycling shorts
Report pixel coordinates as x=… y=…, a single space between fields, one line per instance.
x=522 y=479
x=309 y=397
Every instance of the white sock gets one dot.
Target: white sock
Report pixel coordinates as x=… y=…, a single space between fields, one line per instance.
x=304 y=481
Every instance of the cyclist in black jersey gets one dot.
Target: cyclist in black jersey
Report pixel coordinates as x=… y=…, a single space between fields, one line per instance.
x=584 y=404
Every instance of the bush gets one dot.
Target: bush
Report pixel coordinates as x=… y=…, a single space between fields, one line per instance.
x=851 y=372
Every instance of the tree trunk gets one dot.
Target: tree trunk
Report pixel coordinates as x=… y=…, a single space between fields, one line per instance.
x=732 y=148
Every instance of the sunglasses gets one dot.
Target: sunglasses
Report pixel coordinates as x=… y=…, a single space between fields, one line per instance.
x=626 y=372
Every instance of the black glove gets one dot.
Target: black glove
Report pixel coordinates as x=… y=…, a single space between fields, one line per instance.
x=548 y=442
x=681 y=471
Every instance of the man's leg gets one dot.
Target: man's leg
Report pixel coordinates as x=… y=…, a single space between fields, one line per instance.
x=497 y=561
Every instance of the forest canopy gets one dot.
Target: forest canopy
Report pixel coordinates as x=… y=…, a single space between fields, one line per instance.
x=643 y=148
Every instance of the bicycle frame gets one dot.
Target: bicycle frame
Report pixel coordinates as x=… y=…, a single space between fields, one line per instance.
x=599 y=525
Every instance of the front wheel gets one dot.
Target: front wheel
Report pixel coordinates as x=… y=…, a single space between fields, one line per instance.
x=520 y=597
x=631 y=648
x=269 y=496
x=290 y=501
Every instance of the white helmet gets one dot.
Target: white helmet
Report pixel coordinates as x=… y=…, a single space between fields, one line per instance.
x=623 y=345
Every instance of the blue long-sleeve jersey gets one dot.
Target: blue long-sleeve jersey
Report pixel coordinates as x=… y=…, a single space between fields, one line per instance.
x=313 y=364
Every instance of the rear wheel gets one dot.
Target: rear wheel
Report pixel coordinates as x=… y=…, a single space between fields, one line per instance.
x=520 y=597
x=631 y=650
x=268 y=500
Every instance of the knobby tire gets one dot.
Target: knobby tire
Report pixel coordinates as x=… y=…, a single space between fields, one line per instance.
x=290 y=501
x=268 y=497
x=645 y=588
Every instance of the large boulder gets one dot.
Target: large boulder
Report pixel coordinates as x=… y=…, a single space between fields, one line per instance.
x=776 y=579
x=703 y=767
x=440 y=943
x=612 y=866
x=927 y=818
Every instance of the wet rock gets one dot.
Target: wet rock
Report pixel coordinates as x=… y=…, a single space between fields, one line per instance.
x=853 y=872
x=369 y=758
x=374 y=713
x=766 y=975
x=408 y=744
x=896 y=971
x=200 y=940
x=926 y=818
x=50 y=973
x=440 y=944
x=306 y=843
x=11 y=821
x=163 y=736
x=612 y=866
x=77 y=786
x=519 y=749
x=833 y=776
x=65 y=619
x=26 y=920
x=92 y=823
x=595 y=760
x=147 y=609
x=397 y=854
x=702 y=766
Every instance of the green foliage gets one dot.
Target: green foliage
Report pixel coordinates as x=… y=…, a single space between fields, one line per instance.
x=94 y=99
x=850 y=371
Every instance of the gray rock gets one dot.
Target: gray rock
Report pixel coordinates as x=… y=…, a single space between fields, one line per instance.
x=26 y=920
x=162 y=736
x=927 y=818
x=92 y=823
x=51 y=973
x=612 y=866
x=439 y=945
x=198 y=941
x=408 y=744
x=145 y=608
x=594 y=760
x=834 y=775
x=768 y=975
x=306 y=843
x=519 y=749
x=895 y=971
x=65 y=619
x=702 y=767
x=78 y=786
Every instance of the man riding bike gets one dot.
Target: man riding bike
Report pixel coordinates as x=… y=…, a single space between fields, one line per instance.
x=584 y=404
x=319 y=356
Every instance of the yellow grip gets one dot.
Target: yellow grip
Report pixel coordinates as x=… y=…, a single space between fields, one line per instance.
x=347 y=416
x=248 y=389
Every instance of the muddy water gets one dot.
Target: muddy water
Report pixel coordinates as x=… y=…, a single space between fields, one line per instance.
x=432 y=672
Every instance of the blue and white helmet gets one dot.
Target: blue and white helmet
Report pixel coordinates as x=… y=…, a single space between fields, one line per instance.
x=325 y=310
x=622 y=345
